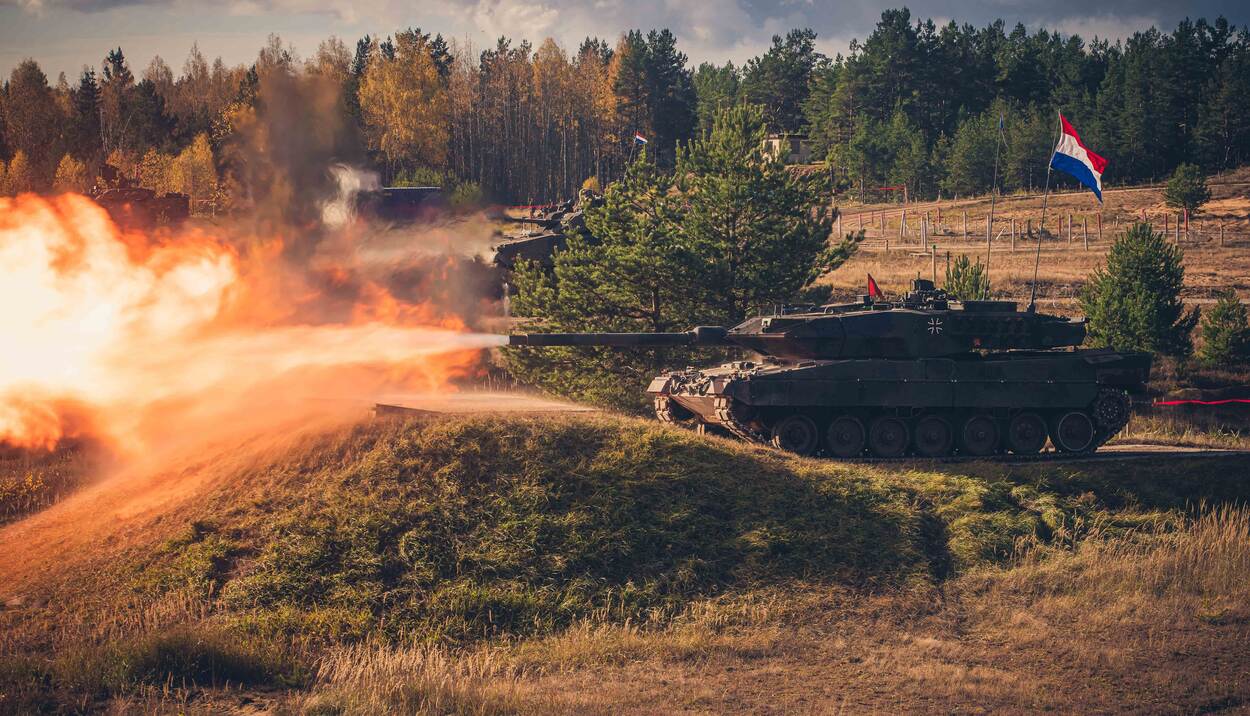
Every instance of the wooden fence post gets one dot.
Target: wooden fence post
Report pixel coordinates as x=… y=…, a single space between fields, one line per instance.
x=1178 y=229
x=1013 y=235
x=902 y=227
x=840 y=234
x=1221 y=236
x=1069 y=229
x=987 y=229
x=965 y=224
x=1085 y=230
x=1099 y=227
x=933 y=254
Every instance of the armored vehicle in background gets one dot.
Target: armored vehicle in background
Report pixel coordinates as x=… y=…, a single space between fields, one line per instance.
x=134 y=207
x=548 y=234
x=925 y=375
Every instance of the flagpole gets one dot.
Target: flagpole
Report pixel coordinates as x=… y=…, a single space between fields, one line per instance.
x=1037 y=259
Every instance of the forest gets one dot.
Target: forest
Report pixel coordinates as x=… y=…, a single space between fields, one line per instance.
x=933 y=108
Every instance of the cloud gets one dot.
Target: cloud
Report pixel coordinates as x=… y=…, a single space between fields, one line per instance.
x=707 y=30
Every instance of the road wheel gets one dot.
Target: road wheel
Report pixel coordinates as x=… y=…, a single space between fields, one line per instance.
x=888 y=437
x=979 y=435
x=846 y=437
x=796 y=434
x=1026 y=435
x=1073 y=432
x=934 y=436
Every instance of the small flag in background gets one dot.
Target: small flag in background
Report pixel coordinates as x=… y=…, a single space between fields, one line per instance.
x=639 y=138
x=873 y=291
x=1073 y=157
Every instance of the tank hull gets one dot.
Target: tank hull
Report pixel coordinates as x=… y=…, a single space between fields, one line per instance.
x=966 y=396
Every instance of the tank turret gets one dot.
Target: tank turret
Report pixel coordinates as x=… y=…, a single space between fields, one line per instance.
x=924 y=375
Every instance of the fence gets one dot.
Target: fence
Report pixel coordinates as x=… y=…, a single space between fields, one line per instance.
x=917 y=229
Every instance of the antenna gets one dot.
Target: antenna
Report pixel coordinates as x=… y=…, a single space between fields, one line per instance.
x=1037 y=260
x=993 y=194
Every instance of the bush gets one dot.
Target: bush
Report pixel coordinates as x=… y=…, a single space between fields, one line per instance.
x=1187 y=189
x=592 y=184
x=1225 y=333
x=968 y=281
x=1133 y=301
x=466 y=196
x=71 y=176
x=420 y=176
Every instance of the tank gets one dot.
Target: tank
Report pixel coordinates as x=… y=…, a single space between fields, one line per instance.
x=925 y=376
x=549 y=234
x=139 y=208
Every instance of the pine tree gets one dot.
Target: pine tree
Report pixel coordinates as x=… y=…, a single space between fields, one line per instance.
x=970 y=166
x=731 y=231
x=967 y=281
x=632 y=85
x=635 y=279
x=1187 y=189
x=751 y=223
x=85 y=122
x=778 y=79
x=1225 y=332
x=716 y=88
x=671 y=94
x=1133 y=301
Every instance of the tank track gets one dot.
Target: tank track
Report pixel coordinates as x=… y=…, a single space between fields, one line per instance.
x=731 y=421
x=1110 y=412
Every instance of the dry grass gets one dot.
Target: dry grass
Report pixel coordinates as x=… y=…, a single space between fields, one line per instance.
x=377 y=678
x=1148 y=622
x=153 y=625
x=1064 y=265
x=33 y=479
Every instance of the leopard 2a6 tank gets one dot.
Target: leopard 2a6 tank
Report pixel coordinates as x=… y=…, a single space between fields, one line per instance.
x=925 y=375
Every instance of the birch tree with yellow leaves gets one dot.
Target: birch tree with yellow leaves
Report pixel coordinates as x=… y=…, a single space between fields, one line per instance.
x=404 y=106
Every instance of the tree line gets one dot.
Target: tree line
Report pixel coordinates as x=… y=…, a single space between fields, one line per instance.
x=934 y=108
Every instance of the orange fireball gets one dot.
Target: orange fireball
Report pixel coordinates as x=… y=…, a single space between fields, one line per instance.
x=146 y=338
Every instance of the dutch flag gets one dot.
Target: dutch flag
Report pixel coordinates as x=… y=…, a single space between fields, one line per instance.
x=639 y=139
x=1073 y=157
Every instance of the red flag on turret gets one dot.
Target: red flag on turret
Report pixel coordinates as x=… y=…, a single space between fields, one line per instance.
x=873 y=291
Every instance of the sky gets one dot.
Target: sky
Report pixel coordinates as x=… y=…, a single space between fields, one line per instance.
x=65 y=35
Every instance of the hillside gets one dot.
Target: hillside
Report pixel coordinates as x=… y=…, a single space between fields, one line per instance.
x=556 y=563
x=1065 y=263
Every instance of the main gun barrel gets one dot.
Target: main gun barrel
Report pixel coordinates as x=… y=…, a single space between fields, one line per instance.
x=701 y=336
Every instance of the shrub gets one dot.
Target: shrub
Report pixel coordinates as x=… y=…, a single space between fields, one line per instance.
x=466 y=196
x=968 y=281
x=1187 y=189
x=1133 y=301
x=1225 y=333
x=71 y=176
x=592 y=184
x=419 y=176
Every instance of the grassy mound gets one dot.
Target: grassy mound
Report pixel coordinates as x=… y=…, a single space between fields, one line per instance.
x=458 y=530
